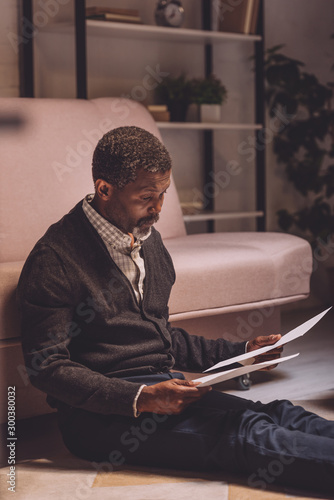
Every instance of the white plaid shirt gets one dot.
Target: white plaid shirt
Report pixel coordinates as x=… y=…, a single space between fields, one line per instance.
x=119 y=246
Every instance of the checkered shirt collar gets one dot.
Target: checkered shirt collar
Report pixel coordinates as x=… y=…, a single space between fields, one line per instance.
x=110 y=234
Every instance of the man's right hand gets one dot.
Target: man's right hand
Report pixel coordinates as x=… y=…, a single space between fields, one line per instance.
x=170 y=397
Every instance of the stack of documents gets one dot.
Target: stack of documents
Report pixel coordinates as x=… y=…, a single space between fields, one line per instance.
x=248 y=358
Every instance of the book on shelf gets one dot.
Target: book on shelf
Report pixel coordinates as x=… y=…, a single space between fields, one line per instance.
x=241 y=18
x=116 y=18
x=113 y=14
x=95 y=11
x=159 y=112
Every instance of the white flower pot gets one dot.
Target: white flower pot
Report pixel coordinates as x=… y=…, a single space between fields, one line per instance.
x=210 y=113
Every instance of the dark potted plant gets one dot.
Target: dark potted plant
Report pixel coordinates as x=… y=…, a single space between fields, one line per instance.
x=304 y=143
x=209 y=94
x=175 y=92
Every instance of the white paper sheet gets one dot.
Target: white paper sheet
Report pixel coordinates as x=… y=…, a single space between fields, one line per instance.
x=248 y=358
x=215 y=378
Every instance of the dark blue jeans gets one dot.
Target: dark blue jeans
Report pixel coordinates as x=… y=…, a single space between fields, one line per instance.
x=269 y=443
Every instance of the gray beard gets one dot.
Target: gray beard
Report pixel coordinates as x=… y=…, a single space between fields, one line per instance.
x=140 y=231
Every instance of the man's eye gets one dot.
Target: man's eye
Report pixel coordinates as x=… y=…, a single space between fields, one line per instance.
x=148 y=198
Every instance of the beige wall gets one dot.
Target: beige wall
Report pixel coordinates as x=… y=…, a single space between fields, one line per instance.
x=9 y=71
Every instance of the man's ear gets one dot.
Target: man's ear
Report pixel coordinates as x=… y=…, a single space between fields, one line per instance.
x=103 y=189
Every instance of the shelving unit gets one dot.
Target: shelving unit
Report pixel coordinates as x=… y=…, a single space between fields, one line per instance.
x=85 y=28
x=206 y=215
x=208 y=126
x=155 y=33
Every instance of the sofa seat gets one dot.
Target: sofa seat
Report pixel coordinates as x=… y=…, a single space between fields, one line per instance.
x=220 y=271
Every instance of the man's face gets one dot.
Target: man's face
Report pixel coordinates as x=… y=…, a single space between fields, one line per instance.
x=139 y=203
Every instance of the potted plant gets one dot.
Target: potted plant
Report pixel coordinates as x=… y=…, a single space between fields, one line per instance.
x=304 y=143
x=209 y=94
x=175 y=92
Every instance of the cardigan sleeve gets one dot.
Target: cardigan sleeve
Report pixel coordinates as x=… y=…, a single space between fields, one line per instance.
x=196 y=353
x=46 y=305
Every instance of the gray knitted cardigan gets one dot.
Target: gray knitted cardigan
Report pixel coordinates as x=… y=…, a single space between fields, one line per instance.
x=82 y=328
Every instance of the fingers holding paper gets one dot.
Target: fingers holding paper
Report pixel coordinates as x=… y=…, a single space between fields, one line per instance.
x=264 y=341
x=263 y=345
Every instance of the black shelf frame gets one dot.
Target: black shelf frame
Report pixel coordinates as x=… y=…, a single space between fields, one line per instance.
x=260 y=165
x=26 y=34
x=208 y=134
x=26 y=48
x=26 y=58
x=260 y=162
x=81 y=48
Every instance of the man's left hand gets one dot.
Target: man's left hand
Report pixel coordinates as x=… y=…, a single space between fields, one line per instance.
x=274 y=353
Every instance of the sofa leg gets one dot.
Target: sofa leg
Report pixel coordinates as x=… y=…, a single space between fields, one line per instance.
x=244 y=382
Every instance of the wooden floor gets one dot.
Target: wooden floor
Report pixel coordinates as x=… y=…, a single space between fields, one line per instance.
x=48 y=471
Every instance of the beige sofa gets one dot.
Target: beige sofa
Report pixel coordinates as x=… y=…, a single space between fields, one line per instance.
x=227 y=284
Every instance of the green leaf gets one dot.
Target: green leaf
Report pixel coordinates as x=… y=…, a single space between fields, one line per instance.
x=283 y=149
x=275 y=48
x=173 y=89
x=305 y=143
x=285 y=219
x=208 y=90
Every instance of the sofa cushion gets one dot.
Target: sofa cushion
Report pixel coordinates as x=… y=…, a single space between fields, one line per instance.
x=222 y=270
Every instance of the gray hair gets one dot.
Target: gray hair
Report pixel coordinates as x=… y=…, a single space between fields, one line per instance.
x=124 y=150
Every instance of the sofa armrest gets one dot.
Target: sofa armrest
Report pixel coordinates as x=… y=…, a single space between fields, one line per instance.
x=9 y=321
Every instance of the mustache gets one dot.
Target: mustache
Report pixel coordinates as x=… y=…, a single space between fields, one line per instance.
x=145 y=220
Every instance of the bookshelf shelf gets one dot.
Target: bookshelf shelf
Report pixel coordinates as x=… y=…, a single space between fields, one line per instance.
x=208 y=126
x=148 y=32
x=158 y=33
x=207 y=216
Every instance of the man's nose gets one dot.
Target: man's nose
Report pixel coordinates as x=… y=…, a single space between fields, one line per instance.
x=156 y=206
